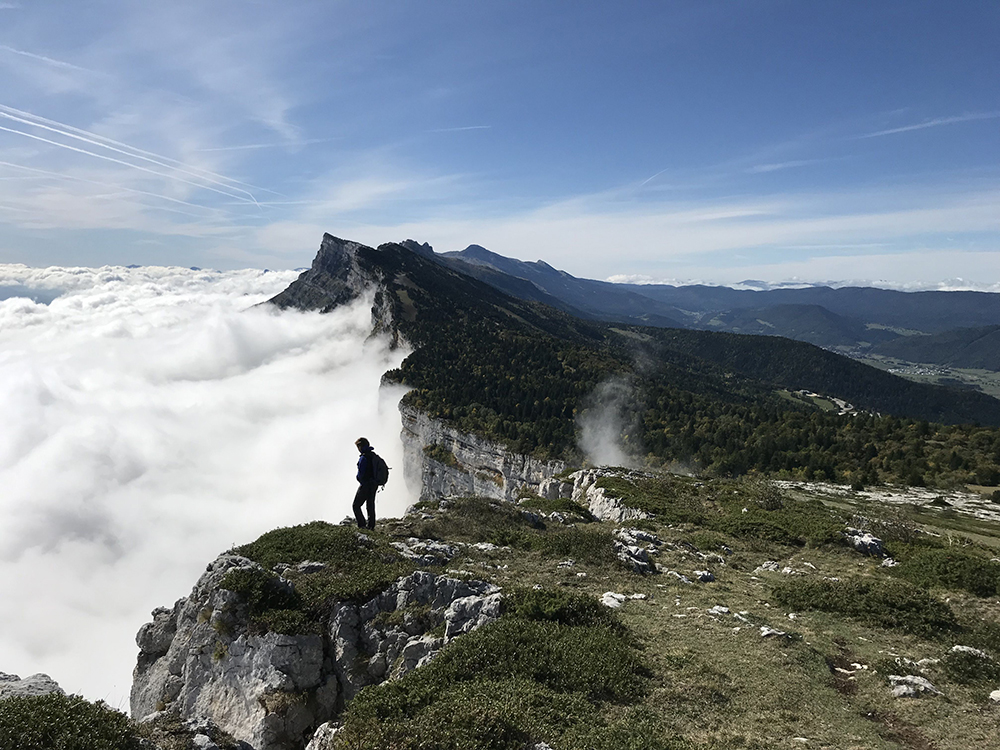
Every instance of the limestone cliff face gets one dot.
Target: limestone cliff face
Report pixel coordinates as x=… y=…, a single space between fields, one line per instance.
x=342 y=272
x=201 y=659
x=446 y=462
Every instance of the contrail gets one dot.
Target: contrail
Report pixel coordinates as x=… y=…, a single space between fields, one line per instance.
x=133 y=166
x=74 y=178
x=32 y=120
x=40 y=58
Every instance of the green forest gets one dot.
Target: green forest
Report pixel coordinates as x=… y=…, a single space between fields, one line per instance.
x=525 y=374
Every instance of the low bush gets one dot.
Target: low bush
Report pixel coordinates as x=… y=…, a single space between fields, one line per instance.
x=573 y=610
x=794 y=523
x=668 y=498
x=885 y=604
x=949 y=568
x=63 y=722
x=542 y=670
x=358 y=566
x=969 y=668
x=585 y=544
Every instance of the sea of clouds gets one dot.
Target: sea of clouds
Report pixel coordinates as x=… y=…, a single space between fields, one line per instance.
x=151 y=419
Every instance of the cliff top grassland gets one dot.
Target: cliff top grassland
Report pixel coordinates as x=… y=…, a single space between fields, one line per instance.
x=757 y=624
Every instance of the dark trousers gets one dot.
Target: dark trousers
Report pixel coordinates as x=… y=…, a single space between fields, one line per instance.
x=365 y=496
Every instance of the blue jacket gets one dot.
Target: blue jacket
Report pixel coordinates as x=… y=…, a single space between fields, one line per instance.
x=366 y=467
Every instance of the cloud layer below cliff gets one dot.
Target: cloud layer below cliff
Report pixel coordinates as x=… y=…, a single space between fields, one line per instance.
x=152 y=419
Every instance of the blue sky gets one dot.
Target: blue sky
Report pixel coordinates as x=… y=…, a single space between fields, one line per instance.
x=711 y=141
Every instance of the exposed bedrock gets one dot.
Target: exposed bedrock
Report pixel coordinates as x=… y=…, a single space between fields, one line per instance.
x=202 y=660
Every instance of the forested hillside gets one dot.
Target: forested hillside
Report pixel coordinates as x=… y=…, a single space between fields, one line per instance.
x=524 y=374
x=973 y=348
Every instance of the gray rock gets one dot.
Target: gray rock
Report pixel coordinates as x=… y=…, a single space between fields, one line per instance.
x=214 y=669
x=37 y=684
x=201 y=660
x=613 y=600
x=911 y=686
x=601 y=504
x=636 y=558
x=483 y=468
x=324 y=736
x=426 y=551
x=864 y=542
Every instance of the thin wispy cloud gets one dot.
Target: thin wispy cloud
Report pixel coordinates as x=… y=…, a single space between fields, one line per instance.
x=98 y=141
x=258 y=146
x=779 y=166
x=41 y=58
x=124 y=163
x=937 y=122
x=460 y=129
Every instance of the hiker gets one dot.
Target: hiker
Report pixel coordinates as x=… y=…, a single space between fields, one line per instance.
x=367 y=484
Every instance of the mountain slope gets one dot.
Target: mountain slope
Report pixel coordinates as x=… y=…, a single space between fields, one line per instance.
x=973 y=348
x=812 y=323
x=525 y=375
x=694 y=305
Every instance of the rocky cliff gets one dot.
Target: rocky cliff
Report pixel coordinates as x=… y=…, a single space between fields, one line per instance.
x=444 y=462
x=204 y=658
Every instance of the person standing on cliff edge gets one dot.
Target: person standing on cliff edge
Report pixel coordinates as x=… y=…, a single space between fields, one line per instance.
x=367 y=484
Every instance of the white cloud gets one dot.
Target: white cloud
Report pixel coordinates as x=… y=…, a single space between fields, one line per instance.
x=934 y=123
x=152 y=419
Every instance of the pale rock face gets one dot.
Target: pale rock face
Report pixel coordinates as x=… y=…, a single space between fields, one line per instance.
x=37 y=684
x=596 y=499
x=911 y=686
x=198 y=659
x=272 y=690
x=481 y=467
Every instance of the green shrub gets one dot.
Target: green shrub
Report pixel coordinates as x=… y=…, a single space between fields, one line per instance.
x=555 y=505
x=794 y=524
x=668 y=498
x=950 y=568
x=358 y=566
x=271 y=604
x=593 y=545
x=442 y=455
x=543 y=669
x=710 y=541
x=562 y=607
x=885 y=604
x=969 y=669
x=63 y=722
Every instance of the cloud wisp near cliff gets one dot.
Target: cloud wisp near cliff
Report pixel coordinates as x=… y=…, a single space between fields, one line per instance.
x=152 y=419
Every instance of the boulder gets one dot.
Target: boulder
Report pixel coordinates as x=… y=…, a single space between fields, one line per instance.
x=37 y=684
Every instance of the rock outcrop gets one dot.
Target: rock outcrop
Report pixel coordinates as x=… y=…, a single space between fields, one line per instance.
x=201 y=660
x=37 y=684
x=342 y=272
x=445 y=462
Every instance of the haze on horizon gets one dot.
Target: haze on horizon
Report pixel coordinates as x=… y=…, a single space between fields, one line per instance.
x=713 y=141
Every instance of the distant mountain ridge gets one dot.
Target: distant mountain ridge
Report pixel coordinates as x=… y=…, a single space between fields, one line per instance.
x=842 y=318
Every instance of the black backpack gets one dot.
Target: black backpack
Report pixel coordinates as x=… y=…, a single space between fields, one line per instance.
x=380 y=469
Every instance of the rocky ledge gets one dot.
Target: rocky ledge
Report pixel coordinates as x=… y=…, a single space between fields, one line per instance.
x=201 y=659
